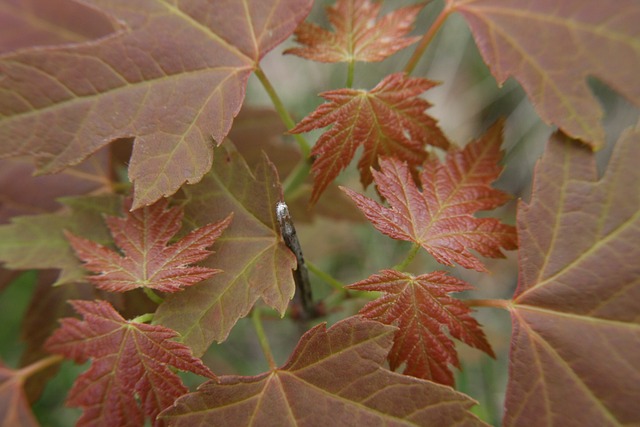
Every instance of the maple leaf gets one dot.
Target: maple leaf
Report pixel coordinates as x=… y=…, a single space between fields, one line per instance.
x=552 y=48
x=29 y=23
x=254 y=260
x=420 y=307
x=129 y=375
x=38 y=241
x=440 y=217
x=14 y=405
x=575 y=343
x=389 y=120
x=359 y=35
x=143 y=236
x=172 y=75
x=333 y=377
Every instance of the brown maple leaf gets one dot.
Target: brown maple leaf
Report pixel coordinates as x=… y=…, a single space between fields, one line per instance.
x=388 y=120
x=576 y=310
x=440 y=217
x=359 y=35
x=421 y=308
x=149 y=261
x=171 y=74
x=129 y=376
x=334 y=377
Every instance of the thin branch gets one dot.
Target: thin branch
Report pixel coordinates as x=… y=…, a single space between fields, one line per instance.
x=494 y=303
x=427 y=38
x=282 y=111
x=410 y=256
x=262 y=338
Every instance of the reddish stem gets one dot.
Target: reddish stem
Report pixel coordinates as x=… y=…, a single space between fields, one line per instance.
x=495 y=303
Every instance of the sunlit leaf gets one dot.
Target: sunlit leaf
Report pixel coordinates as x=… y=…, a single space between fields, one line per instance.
x=440 y=217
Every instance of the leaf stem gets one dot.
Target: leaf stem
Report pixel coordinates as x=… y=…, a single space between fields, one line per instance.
x=495 y=303
x=282 y=111
x=350 y=72
x=40 y=365
x=427 y=38
x=143 y=318
x=410 y=256
x=262 y=337
x=326 y=277
x=296 y=178
x=152 y=295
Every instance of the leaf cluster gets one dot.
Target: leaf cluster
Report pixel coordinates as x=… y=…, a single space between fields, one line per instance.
x=156 y=211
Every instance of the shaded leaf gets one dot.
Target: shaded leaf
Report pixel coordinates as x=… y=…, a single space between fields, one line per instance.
x=28 y=23
x=358 y=33
x=130 y=375
x=173 y=75
x=422 y=308
x=552 y=47
x=254 y=261
x=149 y=261
x=389 y=120
x=576 y=311
x=38 y=242
x=14 y=406
x=440 y=217
x=264 y=125
x=334 y=377
x=22 y=193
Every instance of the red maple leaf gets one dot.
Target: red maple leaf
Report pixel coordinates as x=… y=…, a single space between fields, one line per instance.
x=359 y=35
x=420 y=307
x=143 y=236
x=389 y=120
x=440 y=217
x=129 y=376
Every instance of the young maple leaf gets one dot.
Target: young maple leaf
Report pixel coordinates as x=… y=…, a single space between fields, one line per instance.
x=440 y=217
x=359 y=35
x=421 y=307
x=389 y=120
x=130 y=375
x=143 y=236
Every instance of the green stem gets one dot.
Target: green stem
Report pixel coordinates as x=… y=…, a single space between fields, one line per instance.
x=427 y=38
x=410 y=256
x=326 y=277
x=143 y=318
x=350 y=72
x=494 y=303
x=282 y=111
x=152 y=295
x=296 y=178
x=262 y=337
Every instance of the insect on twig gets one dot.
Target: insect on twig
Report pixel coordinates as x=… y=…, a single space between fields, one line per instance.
x=300 y=274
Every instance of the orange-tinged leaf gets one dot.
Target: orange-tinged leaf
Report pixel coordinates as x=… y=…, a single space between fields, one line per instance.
x=388 y=120
x=38 y=241
x=422 y=308
x=440 y=217
x=333 y=377
x=130 y=375
x=552 y=47
x=359 y=35
x=576 y=311
x=173 y=75
x=254 y=260
x=149 y=261
x=14 y=406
